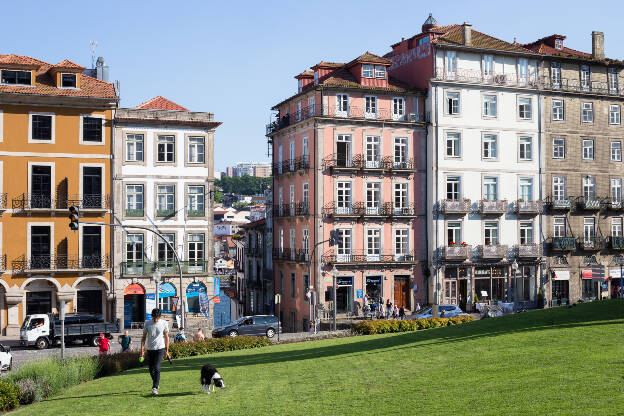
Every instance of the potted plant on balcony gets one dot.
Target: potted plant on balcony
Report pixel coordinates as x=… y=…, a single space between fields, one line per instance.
x=452 y=244
x=464 y=244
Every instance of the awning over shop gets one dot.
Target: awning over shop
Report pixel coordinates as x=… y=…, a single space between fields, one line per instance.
x=165 y=290
x=562 y=275
x=134 y=289
x=194 y=289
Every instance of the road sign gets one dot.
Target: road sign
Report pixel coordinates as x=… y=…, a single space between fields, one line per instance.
x=359 y=294
x=278 y=298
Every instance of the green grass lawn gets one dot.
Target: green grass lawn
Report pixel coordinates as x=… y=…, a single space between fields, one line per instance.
x=556 y=361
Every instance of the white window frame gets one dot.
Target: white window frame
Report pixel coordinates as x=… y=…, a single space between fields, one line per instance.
x=491 y=227
x=487 y=64
x=588 y=151
x=615 y=189
x=558 y=110
x=102 y=141
x=616 y=151
x=489 y=107
x=458 y=231
x=589 y=187
x=555 y=74
x=587 y=112
x=190 y=145
x=522 y=108
x=398 y=108
x=559 y=188
x=558 y=147
x=368 y=71
x=342 y=100
x=400 y=237
x=489 y=146
x=527 y=232
x=134 y=142
x=525 y=142
x=370 y=106
x=530 y=182
x=53 y=132
x=127 y=193
x=373 y=243
x=615 y=115
x=455 y=179
x=613 y=80
x=616 y=227
x=400 y=151
x=559 y=227
x=455 y=104
x=372 y=151
x=380 y=72
x=490 y=188
x=456 y=139
x=558 y=44
x=585 y=74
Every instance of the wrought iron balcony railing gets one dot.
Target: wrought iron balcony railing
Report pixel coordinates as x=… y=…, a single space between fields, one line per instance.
x=455 y=206
x=564 y=204
x=563 y=243
x=471 y=76
x=291 y=254
x=372 y=210
x=457 y=252
x=335 y=111
x=494 y=251
x=616 y=243
x=291 y=210
x=363 y=257
x=3 y=202
x=406 y=210
x=166 y=268
x=614 y=204
x=576 y=85
x=343 y=162
x=589 y=203
x=60 y=263
x=492 y=207
x=291 y=165
x=529 y=250
x=46 y=202
x=592 y=243
x=529 y=207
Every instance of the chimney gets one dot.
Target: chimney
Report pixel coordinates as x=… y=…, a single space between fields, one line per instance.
x=467 y=33
x=598 y=45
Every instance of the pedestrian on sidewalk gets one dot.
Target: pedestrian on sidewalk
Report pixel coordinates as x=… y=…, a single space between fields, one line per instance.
x=402 y=313
x=126 y=341
x=395 y=312
x=199 y=335
x=104 y=344
x=180 y=336
x=156 y=339
x=388 y=308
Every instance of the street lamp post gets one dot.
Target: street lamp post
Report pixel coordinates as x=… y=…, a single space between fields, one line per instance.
x=157 y=276
x=334 y=276
x=514 y=267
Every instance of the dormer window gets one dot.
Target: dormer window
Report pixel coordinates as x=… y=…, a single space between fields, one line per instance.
x=558 y=44
x=16 y=77
x=315 y=77
x=299 y=85
x=68 y=80
x=380 y=71
x=367 y=71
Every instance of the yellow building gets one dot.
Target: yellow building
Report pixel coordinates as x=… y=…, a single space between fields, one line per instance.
x=55 y=152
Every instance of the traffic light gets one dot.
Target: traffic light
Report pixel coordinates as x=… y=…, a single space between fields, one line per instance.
x=333 y=237
x=74 y=216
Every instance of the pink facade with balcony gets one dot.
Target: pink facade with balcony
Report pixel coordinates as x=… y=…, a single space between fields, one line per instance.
x=349 y=155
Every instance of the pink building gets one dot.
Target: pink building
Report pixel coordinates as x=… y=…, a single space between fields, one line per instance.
x=349 y=155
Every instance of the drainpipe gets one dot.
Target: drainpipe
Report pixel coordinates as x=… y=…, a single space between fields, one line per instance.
x=540 y=181
x=435 y=187
x=113 y=302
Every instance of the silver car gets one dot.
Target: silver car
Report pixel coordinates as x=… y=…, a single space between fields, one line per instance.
x=449 y=312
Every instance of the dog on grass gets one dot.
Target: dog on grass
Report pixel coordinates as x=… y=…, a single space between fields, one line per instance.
x=210 y=378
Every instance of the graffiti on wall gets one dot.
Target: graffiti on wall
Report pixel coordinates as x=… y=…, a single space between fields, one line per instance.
x=419 y=52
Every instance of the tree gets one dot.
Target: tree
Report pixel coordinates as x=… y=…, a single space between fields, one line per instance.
x=243 y=185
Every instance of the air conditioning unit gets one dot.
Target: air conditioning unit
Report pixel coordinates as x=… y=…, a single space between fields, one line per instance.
x=412 y=117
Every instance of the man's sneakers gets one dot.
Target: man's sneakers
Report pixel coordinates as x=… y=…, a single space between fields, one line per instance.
x=155 y=391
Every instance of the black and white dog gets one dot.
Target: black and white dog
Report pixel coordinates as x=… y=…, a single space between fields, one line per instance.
x=210 y=377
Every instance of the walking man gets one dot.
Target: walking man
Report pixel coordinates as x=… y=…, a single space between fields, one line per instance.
x=126 y=341
x=156 y=337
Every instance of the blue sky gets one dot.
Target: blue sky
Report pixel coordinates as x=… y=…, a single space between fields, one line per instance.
x=238 y=58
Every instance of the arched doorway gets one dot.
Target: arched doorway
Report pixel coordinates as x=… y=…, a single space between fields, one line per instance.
x=40 y=296
x=193 y=292
x=166 y=293
x=91 y=297
x=134 y=304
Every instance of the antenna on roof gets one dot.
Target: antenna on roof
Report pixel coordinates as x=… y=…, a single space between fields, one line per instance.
x=93 y=45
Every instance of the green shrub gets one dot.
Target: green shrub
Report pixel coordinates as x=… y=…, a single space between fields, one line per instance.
x=116 y=363
x=9 y=395
x=212 y=345
x=49 y=376
x=384 y=326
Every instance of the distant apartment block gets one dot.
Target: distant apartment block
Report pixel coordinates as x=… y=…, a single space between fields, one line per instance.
x=258 y=169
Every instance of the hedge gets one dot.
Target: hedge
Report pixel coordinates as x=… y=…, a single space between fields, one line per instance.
x=212 y=345
x=385 y=326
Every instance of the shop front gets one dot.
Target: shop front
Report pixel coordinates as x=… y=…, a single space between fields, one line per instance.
x=193 y=292
x=134 y=304
x=560 y=287
x=374 y=287
x=491 y=283
x=344 y=294
x=523 y=284
x=592 y=280
x=166 y=297
x=457 y=286
x=616 y=282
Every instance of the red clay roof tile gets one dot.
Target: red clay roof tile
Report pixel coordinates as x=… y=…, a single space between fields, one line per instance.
x=161 y=103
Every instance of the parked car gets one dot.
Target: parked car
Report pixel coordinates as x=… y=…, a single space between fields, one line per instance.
x=250 y=325
x=6 y=358
x=449 y=312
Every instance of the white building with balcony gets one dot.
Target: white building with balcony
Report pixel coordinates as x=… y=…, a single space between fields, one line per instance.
x=163 y=178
